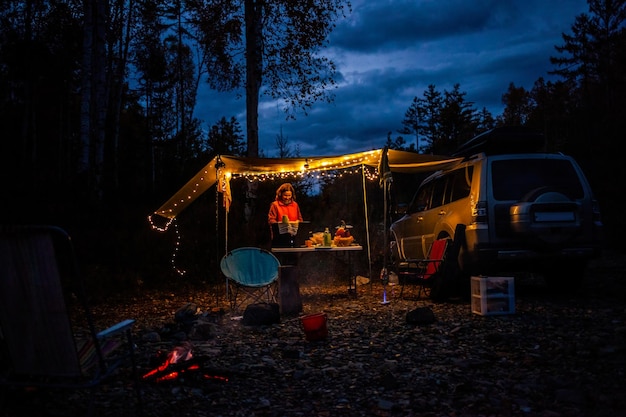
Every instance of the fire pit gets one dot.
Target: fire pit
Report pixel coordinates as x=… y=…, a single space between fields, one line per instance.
x=181 y=363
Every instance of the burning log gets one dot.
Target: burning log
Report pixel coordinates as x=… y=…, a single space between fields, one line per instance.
x=181 y=362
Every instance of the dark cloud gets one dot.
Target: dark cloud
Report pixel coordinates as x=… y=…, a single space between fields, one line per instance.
x=376 y=25
x=388 y=51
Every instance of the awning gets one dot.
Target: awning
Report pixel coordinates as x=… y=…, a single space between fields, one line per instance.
x=233 y=166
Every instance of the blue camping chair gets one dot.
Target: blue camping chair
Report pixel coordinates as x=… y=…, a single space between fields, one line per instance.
x=251 y=276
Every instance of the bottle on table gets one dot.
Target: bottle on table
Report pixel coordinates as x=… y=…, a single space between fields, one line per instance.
x=327 y=238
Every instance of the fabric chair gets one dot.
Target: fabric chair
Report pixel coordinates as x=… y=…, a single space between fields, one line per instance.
x=423 y=272
x=43 y=342
x=251 y=276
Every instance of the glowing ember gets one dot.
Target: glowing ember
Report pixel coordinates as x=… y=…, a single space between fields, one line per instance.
x=178 y=362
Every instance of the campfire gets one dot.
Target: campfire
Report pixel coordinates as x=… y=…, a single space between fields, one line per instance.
x=179 y=363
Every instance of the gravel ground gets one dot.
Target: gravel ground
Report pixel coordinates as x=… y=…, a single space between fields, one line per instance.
x=557 y=355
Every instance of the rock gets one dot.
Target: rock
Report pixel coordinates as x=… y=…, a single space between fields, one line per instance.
x=420 y=316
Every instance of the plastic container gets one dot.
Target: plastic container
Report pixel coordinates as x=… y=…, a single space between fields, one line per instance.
x=493 y=295
x=315 y=327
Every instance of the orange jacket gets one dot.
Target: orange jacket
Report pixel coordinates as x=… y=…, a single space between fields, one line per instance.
x=278 y=210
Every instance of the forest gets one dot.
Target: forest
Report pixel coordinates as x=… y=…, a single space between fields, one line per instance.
x=86 y=148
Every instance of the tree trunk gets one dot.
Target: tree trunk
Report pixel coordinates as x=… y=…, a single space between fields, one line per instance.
x=254 y=72
x=118 y=59
x=94 y=100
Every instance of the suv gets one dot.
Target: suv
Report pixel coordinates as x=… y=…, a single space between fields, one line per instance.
x=506 y=211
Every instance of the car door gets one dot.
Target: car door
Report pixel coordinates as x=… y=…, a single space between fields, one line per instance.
x=407 y=230
x=414 y=233
x=429 y=219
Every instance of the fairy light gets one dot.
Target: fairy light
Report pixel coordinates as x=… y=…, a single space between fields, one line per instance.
x=169 y=213
x=331 y=171
x=328 y=172
x=311 y=169
x=179 y=271
x=164 y=228
x=158 y=228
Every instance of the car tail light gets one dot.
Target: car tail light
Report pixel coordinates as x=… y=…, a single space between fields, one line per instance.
x=479 y=212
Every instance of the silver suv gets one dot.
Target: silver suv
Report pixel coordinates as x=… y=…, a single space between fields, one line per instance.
x=504 y=211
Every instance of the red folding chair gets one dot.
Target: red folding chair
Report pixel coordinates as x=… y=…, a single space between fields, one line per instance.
x=422 y=272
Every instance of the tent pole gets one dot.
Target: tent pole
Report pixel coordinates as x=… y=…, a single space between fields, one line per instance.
x=218 y=165
x=217 y=232
x=226 y=232
x=384 y=172
x=367 y=226
x=386 y=239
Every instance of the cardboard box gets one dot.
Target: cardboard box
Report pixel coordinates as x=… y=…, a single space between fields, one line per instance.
x=493 y=295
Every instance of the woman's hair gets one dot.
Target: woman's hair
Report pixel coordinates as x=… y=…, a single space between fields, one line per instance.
x=285 y=187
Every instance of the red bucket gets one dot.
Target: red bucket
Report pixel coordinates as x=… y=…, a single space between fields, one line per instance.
x=314 y=326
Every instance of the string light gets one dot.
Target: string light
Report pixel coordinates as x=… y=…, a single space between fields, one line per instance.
x=325 y=171
x=179 y=271
x=327 y=168
x=170 y=221
x=160 y=228
x=335 y=171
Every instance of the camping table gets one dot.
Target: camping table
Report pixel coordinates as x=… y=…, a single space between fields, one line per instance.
x=292 y=288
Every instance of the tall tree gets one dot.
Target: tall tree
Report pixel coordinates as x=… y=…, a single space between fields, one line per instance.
x=592 y=60
x=168 y=81
x=594 y=57
x=398 y=143
x=517 y=106
x=255 y=43
x=432 y=103
x=225 y=138
x=459 y=120
x=411 y=124
x=39 y=66
x=443 y=120
x=486 y=120
x=282 y=144
x=94 y=98
x=550 y=110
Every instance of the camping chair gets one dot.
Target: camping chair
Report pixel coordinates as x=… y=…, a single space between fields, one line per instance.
x=422 y=271
x=251 y=276
x=43 y=343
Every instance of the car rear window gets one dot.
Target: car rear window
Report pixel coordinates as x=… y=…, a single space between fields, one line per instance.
x=512 y=179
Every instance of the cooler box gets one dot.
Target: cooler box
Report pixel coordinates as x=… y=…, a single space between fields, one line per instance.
x=493 y=295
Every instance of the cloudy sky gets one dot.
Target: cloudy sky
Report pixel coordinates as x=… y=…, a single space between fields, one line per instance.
x=388 y=51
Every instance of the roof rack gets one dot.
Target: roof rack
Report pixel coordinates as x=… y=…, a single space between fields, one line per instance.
x=502 y=140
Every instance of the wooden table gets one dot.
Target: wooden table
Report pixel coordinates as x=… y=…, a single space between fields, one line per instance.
x=289 y=289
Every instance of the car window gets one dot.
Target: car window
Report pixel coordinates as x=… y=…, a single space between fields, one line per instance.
x=513 y=179
x=459 y=184
x=439 y=190
x=421 y=200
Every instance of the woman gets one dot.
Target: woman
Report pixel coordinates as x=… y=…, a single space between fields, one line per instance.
x=284 y=205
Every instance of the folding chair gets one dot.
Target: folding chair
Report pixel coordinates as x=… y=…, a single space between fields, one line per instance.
x=423 y=271
x=42 y=343
x=251 y=276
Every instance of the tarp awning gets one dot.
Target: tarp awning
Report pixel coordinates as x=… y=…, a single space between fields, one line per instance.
x=232 y=166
